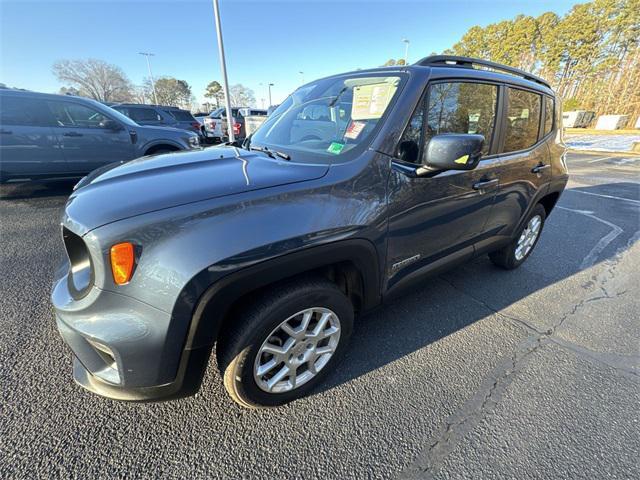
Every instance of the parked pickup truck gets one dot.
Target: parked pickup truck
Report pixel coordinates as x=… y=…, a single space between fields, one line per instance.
x=245 y=121
x=356 y=187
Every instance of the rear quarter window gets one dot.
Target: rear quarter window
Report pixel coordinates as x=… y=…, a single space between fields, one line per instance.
x=523 y=119
x=548 y=115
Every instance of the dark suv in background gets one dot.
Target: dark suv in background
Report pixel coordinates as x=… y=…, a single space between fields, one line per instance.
x=159 y=115
x=46 y=136
x=355 y=188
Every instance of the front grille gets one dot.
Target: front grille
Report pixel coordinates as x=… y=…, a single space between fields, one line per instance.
x=81 y=266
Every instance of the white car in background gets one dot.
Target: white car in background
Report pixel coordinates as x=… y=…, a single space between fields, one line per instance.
x=215 y=124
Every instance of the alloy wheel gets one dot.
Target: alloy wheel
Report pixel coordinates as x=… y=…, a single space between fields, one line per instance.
x=528 y=237
x=296 y=350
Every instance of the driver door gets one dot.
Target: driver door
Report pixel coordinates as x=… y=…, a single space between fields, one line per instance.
x=435 y=220
x=86 y=143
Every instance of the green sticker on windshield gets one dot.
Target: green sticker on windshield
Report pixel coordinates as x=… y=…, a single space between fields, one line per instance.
x=335 y=148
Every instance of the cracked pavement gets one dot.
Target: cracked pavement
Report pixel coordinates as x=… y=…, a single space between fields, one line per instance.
x=478 y=373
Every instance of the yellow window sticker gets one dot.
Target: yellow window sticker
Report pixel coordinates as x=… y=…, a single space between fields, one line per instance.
x=370 y=101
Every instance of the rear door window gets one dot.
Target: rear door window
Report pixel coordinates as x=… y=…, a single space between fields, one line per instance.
x=23 y=111
x=523 y=119
x=144 y=115
x=181 y=115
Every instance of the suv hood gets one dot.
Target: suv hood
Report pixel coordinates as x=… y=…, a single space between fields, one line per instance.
x=152 y=183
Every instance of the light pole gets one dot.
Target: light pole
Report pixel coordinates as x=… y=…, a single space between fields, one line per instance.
x=223 y=67
x=406 y=50
x=301 y=78
x=153 y=83
x=270 y=85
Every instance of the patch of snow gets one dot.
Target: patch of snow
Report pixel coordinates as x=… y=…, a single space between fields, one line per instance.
x=604 y=143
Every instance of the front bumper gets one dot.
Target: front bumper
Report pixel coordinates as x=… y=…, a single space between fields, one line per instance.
x=124 y=348
x=187 y=382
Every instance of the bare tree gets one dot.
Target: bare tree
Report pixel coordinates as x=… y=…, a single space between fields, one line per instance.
x=94 y=78
x=241 y=96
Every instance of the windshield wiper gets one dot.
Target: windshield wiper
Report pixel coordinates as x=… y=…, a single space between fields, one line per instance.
x=271 y=153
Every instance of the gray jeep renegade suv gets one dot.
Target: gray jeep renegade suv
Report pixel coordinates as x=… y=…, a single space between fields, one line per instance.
x=356 y=187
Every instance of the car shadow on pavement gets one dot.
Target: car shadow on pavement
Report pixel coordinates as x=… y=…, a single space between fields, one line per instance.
x=27 y=190
x=443 y=305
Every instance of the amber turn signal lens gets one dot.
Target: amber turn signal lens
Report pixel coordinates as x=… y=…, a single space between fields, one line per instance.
x=122 y=262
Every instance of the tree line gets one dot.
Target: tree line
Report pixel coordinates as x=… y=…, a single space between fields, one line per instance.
x=105 y=82
x=591 y=55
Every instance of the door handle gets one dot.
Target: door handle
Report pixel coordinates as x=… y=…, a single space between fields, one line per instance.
x=540 y=168
x=72 y=134
x=485 y=184
x=6 y=132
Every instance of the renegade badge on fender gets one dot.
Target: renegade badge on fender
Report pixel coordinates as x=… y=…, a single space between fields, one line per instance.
x=357 y=186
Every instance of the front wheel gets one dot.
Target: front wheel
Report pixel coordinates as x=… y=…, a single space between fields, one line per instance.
x=283 y=344
x=515 y=253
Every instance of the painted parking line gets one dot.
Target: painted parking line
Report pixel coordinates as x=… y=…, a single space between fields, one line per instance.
x=598 y=159
x=592 y=256
x=612 y=197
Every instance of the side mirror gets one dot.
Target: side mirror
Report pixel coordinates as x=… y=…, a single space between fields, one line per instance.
x=111 y=125
x=455 y=151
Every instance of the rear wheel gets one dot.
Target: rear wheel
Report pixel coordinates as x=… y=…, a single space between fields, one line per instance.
x=515 y=253
x=285 y=343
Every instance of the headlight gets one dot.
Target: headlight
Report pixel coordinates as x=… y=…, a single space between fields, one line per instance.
x=194 y=141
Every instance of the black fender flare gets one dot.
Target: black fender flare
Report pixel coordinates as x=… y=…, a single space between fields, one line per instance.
x=214 y=295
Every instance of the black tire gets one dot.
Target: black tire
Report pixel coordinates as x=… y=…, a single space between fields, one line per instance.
x=506 y=256
x=160 y=151
x=238 y=346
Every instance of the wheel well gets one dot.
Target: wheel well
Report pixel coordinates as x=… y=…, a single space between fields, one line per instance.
x=549 y=201
x=344 y=274
x=161 y=147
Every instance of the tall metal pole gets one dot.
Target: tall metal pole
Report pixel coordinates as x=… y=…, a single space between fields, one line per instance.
x=406 y=51
x=223 y=67
x=153 y=83
x=301 y=78
x=270 y=85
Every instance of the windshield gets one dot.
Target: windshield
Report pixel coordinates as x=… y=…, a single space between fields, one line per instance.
x=118 y=116
x=329 y=120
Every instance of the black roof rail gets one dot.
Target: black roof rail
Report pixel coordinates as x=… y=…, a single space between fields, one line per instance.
x=126 y=104
x=468 y=62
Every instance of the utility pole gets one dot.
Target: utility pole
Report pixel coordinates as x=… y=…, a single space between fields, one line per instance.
x=223 y=67
x=406 y=51
x=270 y=85
x=153 y=83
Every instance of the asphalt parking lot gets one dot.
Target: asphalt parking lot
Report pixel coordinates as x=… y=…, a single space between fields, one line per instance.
x=480 y=373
